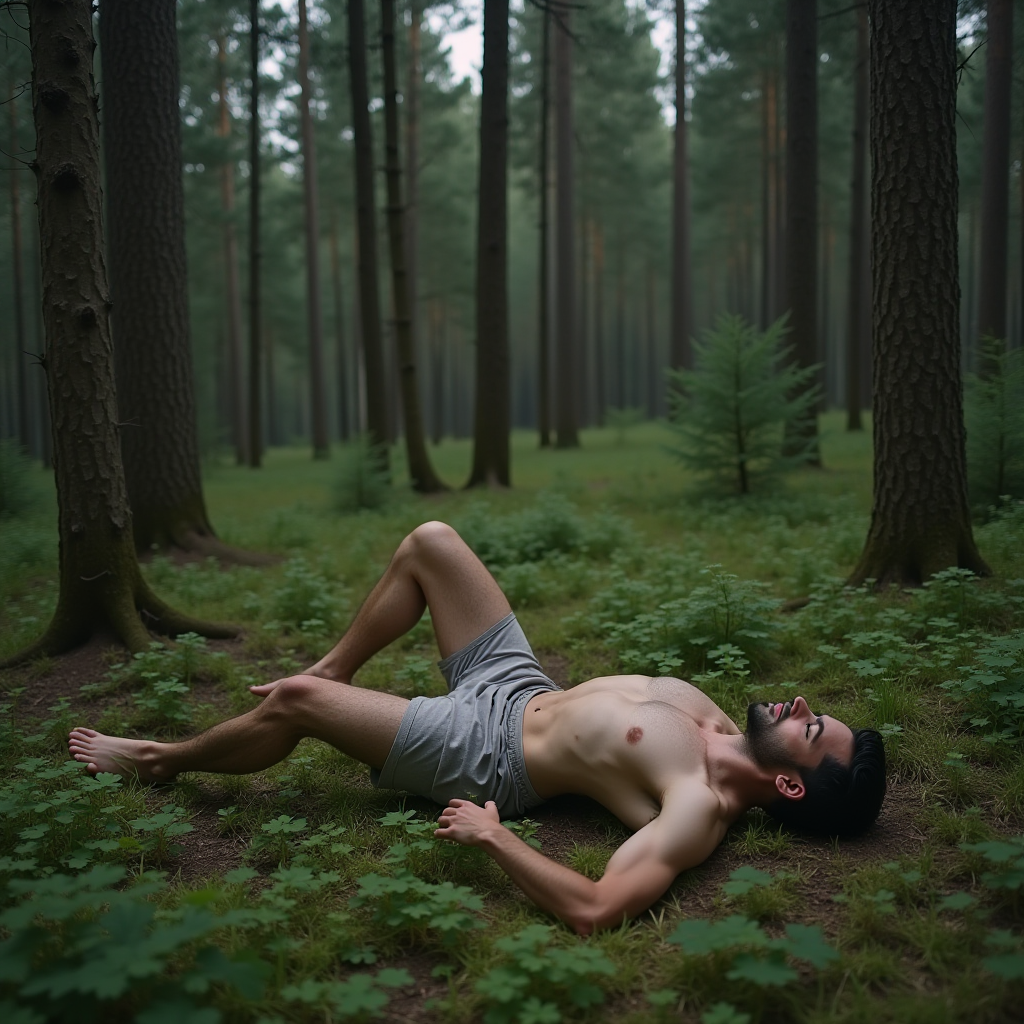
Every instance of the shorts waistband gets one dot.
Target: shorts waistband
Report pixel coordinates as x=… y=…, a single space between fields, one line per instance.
x=525 y=796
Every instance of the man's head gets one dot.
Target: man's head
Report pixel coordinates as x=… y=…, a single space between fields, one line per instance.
x=829 y=778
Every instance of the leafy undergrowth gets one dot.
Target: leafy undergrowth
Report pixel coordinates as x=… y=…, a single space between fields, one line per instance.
x=301 y=894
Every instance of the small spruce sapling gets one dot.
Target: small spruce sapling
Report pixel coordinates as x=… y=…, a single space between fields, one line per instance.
x=994 y=414
x=729 y=411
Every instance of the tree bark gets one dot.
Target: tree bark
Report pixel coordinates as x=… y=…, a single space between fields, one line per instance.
x=995 y=180
x=802 y=201
x=920 y=521
x=544 y=272
x=340 y=349
x=101 y=587
x=18 y=283
x=421 y=472
x=145 y=207
x=255 y=253
x=566 y=435
x=682 y=296
x=491 y=425
x=318 y=400
x=411 y=107
x=366 y=216
x=858 y=227
x=232 y=291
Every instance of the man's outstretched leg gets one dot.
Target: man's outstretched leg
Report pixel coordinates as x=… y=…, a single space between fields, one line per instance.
x=432 y=566
x=361 y=723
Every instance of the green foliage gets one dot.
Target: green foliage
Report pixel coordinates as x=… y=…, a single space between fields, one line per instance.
x=720 y=622
x=729 y=411
x=994 y=415
x=306 y=599
x=363 y=481
x=621 y=419
x=77 y=944
x=17 y=495
x=992 y=687
x=551 y=526
x=752 y=955
x=360 y=995
x=539 y=982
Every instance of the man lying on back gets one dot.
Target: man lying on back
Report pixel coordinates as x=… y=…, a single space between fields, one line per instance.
x=657 y=752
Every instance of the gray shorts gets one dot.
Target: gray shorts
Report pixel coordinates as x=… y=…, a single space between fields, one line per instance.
x=470 y=743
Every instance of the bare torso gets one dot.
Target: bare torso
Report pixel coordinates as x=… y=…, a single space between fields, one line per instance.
x=625 y=741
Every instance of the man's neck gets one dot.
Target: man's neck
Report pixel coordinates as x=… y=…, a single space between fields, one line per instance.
x=735 y=776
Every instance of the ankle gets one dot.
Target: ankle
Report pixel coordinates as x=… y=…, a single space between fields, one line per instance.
x=153 y=761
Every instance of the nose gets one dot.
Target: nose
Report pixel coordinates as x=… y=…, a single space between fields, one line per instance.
x=800 y=709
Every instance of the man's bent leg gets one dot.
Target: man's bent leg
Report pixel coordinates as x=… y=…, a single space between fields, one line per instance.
x=433 y=567
x=361 y=723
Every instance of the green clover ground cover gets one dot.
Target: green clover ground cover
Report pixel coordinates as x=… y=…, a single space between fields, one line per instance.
x=327 y=900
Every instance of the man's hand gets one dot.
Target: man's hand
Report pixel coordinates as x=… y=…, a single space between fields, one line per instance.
x=464 y=822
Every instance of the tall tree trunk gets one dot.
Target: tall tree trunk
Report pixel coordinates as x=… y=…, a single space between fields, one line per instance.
x=543 y=284
x=411 y=108
x=600 y=395
x=318 y=398
x=232 y=292
x=24 y=405
x=43 y=399
x=858 y=226
x=802 y=201
x=920 y=521
x=583 y=390
x=340 y=353
x=421 y=472
x=145 y=207
x=255 y=254
x=491 y=429
x=101 y=587
x=366 y=214
x=566 y=435
x=995 y=180
x=682 y=295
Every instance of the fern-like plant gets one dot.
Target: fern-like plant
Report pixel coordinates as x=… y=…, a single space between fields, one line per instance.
x=729 y=411
x=363 y=481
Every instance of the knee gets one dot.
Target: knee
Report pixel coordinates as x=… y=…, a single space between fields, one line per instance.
x=429 y=539
x=292 y=699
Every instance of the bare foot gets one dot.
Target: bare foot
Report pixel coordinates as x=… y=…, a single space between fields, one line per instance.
x=127 y=758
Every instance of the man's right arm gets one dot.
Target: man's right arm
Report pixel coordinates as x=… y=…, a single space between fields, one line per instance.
x=639 y=872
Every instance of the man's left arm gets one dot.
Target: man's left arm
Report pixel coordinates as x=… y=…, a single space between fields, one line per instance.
x=682 y=836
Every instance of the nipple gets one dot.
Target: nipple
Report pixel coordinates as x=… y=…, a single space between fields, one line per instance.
x=635 y=735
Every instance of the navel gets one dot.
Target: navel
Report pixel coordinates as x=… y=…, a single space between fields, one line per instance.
x=635 y=735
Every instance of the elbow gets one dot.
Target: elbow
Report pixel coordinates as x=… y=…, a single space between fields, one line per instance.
x=593 y=917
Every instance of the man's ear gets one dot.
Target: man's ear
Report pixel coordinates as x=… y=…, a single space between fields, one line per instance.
x=790 y=787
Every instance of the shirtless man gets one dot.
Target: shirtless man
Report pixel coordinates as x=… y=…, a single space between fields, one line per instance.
x=658 y=753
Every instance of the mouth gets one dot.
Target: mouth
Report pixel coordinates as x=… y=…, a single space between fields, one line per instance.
x=779 y=712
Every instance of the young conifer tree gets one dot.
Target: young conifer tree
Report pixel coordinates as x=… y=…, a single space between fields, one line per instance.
x=729 y=411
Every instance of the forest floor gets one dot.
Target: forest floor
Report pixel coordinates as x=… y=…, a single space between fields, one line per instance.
x=302 y=893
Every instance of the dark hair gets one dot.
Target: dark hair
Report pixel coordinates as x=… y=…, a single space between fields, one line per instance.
x=839 y=800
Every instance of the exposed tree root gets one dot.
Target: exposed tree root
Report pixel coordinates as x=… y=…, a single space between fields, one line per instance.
x=132 y=615
x=209 y=546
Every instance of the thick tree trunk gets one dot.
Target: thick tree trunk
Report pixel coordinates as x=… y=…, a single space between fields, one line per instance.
x=18 y=283
x=995 y=180
x=232 y=291
x=145 y=207
x=366 y=216
x=566 y=435
x=543 y=284
x=340 y=351
x=421 y=472
x=802 y=201
x=101 y=587
x=491 y=428
x=682 y=297
x=42 y=398
x=920 y=522
x=858 y=227
x=317 y=384
x=255 y=253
